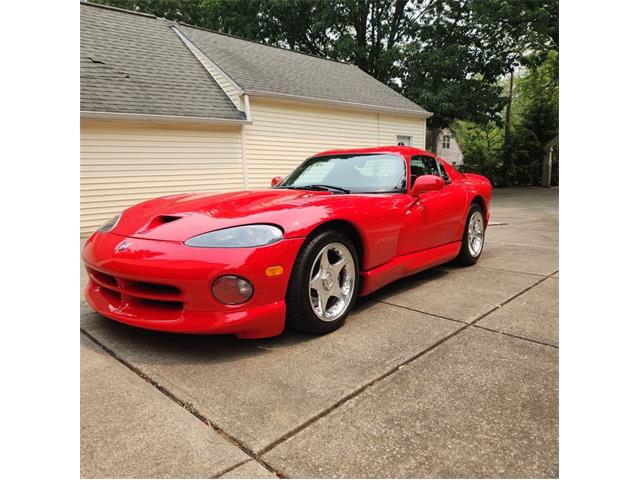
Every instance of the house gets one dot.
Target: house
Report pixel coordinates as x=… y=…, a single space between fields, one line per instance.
x=448 y=148
x=168 y=108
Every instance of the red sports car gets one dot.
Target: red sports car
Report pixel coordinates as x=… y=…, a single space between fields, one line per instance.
x=344 y=223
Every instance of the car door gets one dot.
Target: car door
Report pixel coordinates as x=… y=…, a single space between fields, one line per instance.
x=433 y=218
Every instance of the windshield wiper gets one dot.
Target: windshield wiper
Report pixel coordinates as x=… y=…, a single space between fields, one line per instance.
x=317 y=186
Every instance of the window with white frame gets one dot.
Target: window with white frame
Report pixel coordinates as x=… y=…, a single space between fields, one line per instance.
x=446 y=141
x=404 y=140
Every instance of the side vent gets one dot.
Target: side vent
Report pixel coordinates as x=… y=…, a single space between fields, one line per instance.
x=157 y=221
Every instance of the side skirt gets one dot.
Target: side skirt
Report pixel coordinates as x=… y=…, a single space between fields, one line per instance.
x=406 y=265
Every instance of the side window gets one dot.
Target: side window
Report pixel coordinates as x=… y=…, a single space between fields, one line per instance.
x=431 y=166
x=443 y=172
x=422 y=165
x=417 y=166
x=417 y=169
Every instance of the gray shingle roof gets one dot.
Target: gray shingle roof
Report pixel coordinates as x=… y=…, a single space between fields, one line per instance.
x=258 y=67
x=133 y=63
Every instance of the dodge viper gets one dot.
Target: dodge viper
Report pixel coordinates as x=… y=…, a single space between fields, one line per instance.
x=344 y=223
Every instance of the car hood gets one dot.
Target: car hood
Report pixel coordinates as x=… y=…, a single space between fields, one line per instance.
x=180 y=217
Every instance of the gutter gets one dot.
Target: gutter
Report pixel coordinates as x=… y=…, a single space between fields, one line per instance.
x=337 y=103
x=161 y=118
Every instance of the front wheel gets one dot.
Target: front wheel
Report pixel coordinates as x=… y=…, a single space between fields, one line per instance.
x=473 y=238
x=323 y=284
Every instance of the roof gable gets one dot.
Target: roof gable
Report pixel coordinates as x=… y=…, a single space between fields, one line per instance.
x=135 y=64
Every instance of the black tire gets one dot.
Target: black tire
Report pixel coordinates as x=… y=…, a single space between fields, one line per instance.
x=466 y=256
x=300 y=314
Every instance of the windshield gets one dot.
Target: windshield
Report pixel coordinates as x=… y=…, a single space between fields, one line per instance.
x=359 y=173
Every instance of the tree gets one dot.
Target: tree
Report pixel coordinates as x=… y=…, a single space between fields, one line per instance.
x=521 y=33
x=536 y=121
x=482 y=145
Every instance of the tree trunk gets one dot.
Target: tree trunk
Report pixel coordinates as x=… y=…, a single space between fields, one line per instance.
x=431 y=140
x=507 y=122
x=360 y=24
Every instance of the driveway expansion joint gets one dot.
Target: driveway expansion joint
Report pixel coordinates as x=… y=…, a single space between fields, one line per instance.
x=516 y=336
x=510 y=271
x=233 y=467
x=423 y=312
x=189 y=407
x=397 y=368
x=513 y=297
x=492 y=242
x=357 y=392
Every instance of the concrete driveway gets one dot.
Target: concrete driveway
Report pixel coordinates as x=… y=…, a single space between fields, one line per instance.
x=450 y=373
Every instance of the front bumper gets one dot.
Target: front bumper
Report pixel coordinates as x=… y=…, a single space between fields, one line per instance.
x=161 y=285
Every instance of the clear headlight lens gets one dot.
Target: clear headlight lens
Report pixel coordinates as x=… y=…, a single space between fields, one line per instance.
x=243 y=236
x=110 y=224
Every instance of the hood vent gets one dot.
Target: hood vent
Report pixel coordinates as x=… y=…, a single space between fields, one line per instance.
x=157 y=221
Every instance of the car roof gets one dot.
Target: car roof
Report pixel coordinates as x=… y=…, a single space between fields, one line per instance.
x=406 y=152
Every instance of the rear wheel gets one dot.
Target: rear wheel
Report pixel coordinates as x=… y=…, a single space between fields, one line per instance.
x=323 y=284
x=473 y=238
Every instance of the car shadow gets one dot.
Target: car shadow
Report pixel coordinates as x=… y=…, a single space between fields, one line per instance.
x=147 y=347
x=408 y=283
x=139 y=346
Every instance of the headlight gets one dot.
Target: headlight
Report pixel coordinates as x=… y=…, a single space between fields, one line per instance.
x=244 y=236
x=108 y=226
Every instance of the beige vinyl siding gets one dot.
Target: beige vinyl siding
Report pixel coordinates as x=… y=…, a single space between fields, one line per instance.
x=285 y=133
x=393 y=125
x=125 y=163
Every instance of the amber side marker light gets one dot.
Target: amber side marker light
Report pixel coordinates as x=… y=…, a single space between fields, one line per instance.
x=274 y=271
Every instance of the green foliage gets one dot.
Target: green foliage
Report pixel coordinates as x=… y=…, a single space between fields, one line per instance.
x=536 y=122
x=482 y=145
x=449 y=56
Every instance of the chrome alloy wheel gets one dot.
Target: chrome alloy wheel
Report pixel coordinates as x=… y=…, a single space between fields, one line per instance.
x=332 y=281
x=475 y=234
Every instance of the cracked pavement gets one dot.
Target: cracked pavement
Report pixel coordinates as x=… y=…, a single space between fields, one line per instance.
x=452 y=372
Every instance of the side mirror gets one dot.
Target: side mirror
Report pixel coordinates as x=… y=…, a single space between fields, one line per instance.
x=427 y=183
x=275 y=181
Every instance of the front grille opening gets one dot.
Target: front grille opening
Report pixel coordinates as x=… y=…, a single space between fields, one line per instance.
x=114 y=298
x=138 y=299
x=103 y=278
x=160 y=304
x=152 y=289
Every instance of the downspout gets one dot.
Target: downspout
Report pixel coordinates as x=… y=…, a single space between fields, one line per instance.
x=243 y=142
x=247 y=107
